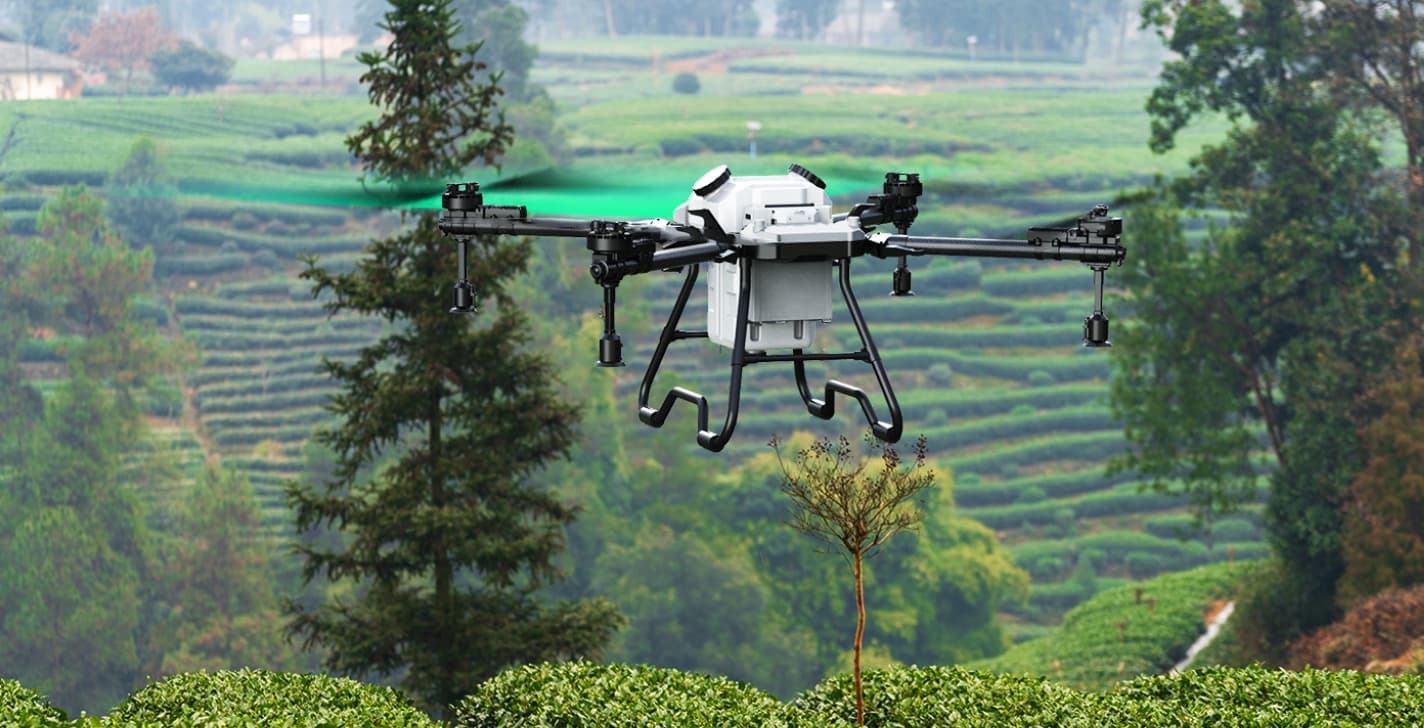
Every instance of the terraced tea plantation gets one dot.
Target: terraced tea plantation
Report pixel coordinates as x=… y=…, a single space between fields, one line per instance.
x=986 y=358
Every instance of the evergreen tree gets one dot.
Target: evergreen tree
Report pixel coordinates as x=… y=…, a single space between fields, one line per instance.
x=140 y=195
x=445 y=424
x=73 y=555
x=224 y=612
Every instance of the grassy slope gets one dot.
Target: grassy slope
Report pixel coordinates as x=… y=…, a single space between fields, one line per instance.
x=985 y=357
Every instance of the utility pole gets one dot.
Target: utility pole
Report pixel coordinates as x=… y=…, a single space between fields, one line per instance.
x=860 y=26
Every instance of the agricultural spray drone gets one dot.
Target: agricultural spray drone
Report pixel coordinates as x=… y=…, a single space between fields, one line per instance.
x=769 y=244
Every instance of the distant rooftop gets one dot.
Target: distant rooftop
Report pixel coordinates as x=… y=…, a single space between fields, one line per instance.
x=12 y=59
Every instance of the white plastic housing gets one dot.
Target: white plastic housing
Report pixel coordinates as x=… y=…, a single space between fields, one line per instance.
x=788 y=299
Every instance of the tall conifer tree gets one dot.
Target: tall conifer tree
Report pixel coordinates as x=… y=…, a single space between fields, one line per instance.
x=443 y=423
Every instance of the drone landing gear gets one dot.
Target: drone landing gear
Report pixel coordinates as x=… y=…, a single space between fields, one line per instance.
x=825 y=409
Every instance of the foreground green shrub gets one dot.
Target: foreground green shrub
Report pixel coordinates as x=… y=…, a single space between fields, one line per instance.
x=257 y=699
x=1123 y=632
x=929 y=697
x=1255 y=696
x=24 y=708
x=610 y=696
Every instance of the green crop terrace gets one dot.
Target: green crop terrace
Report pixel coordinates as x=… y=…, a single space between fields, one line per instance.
x=986 y=357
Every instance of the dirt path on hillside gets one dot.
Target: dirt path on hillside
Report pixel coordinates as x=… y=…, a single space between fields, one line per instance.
x=190 y=417
x=715 y=62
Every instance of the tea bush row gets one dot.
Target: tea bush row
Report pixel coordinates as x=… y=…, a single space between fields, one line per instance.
x=25 y=708
x=930 y=347
x=234 y=325
x=252 y=242
x=1135 y=629
x=961 y=403
x=1092 y=505
x=622 y=696
x=294 y=355
x=218 y=339
x=290 y=214
x=1039 y=282
x=1243 y=526
x=268 y=403
x=247 y=437
x=1014 y=426
x=204 y=264
x=1091 y=447
x=256 y=698
x=978 y=493
x=259 y=386
x=929 y=310
x=212 y=305
x=211 y=374
x=306 y=416
x=21 y=223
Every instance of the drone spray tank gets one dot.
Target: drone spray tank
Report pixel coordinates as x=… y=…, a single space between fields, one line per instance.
x=771 y=246
x=773 y=218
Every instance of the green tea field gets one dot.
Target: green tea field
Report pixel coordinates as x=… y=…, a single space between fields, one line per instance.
x=986 y=357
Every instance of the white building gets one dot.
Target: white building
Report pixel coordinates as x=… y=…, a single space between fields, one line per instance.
x=34 y=73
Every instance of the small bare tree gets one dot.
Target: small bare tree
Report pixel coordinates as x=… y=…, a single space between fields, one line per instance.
x=847 y=507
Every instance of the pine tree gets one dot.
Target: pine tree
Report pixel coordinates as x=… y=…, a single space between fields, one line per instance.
x=444 y=424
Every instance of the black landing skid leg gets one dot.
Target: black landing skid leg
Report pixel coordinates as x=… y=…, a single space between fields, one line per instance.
x=824 y=409
x=708 y=439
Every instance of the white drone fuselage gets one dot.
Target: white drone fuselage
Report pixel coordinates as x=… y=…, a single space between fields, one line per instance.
x=787 y=298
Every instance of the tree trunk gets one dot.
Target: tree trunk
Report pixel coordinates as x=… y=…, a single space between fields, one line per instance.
x=608 y=18
x=444 y=606
x=859 y=635
x=1414 y=169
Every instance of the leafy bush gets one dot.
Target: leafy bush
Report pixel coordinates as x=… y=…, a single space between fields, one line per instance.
x=940 y=373
x=686 y=83
x=611 y=696
x=1113 y=636
x=929 y=697
x=1256 y=696
x=258 y=698
x=191 y=67
x=24 y=708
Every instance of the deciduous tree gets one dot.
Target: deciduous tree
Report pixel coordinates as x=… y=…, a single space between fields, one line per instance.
x=1264 y=334
x=123 y=41
x=1384 y=505
x=190 y=67
x=837 y=502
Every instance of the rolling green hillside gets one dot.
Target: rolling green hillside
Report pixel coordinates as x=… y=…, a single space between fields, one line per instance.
x=986 y=357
